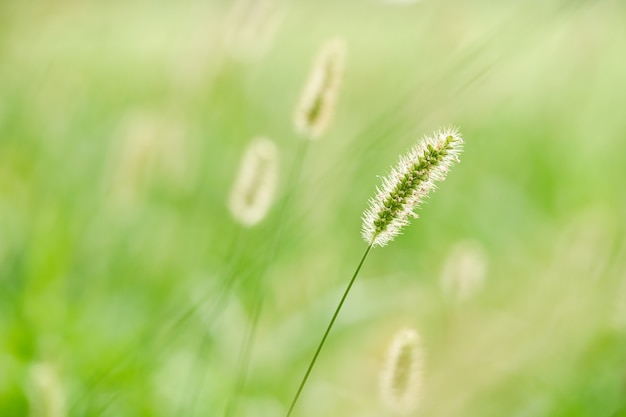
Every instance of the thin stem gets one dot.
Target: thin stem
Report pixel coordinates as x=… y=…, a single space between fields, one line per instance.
x=244 y=359
x=165 y=337
x=196 y=372
x=330 y=326
x=246 y=349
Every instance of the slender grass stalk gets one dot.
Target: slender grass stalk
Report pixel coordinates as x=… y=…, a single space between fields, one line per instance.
x=245 y=357
x=312 y=118
x=250 y=200
x=216 y=309
x=328 y=329
x=164 y=338
x=246 y=350
x=402 y=191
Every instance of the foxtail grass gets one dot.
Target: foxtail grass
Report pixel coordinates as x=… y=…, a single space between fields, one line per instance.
x=250 y=200
x=408 y=184
x=312 y=118
x=150 y=149
x=403 y=190
x=401 y=374
x=316 y=108
x=464 y=271
x=46 y=392
x=250 y=334
x=164 y=337
x=255 y=187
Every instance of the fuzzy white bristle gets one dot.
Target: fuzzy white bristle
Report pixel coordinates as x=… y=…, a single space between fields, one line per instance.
x=408 y=184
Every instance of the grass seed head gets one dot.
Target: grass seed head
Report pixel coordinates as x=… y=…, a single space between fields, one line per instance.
x=46 y=393
x=408 y=184
x=464 y=270
x=150 y=149
x=254 y=189
x=250 y=27
x=319 y=98
x=401 y=376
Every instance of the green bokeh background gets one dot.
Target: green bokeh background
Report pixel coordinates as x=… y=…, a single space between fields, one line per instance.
x=121 y=128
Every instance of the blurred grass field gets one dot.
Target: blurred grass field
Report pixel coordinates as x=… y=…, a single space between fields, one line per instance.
x=121 y=129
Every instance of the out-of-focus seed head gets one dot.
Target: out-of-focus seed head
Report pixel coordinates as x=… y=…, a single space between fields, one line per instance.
x=316 y=108
x=254 y=189
x=46 y=393
x=401 y=376
x=464 y=270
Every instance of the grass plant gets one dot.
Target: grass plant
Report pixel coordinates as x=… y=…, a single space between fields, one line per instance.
x=122 y=130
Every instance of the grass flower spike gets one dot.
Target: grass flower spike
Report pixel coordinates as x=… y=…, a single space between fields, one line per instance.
x=464 y=271
x=401 y=377
x=317 y=104
x=402 y=191
x=46 y=393
x=408 y=184
x=255 y=186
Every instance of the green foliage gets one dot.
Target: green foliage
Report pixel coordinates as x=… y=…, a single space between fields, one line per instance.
x=121 y=127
